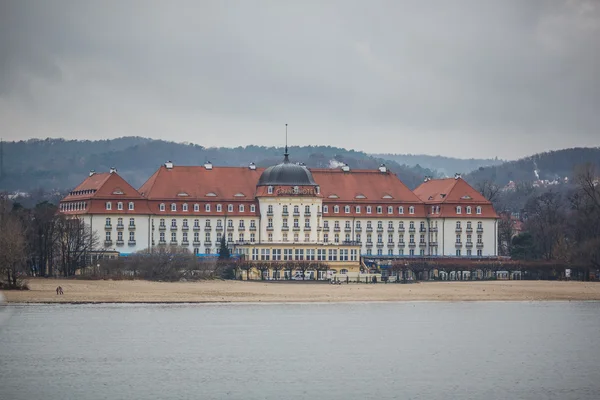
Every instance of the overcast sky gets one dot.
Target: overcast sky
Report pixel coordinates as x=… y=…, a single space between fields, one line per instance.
x=477 y=78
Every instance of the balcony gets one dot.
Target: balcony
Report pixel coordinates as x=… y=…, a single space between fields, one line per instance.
x=108 y=242
x=307 y=214
x=285 y=214
x=296 y=229
x=358 y=229
x=469 y=245
x=131 y=242
x=269 y=213
x=369 y=244
x=120 y=227
x=469 y=230
x=173 y=227
x=207 y=243
x=196 y=227
x=230 y=228
x=422 y=230
x=185 y=227
x=433 y=229
x=270 y=228
x=319 y=228
x=285 y=228
x=241 y=228
x=390 y=244
x=390 y=230
x=433 y=244
x=458 y=230
x=422 y=244
x=457 y=244
x=307 y=228
x=173 y=242
x=347 y=229
x=108 y=227
x=411 y=230
x=185 y=243
x=369 y=229
x=379 y=229
x=219 y=228
x=401 y=243
x=207 y=228
x=325 y=229
x=319 y=213
x=196 y=243
x=401 y=229
x=479 y=245
x=351 y=243
x=296 y=213
x=162 y=242
x=479 y=230
x=162 y=227
x=412 y=244
x=380 y=244
x=131 y=227
x=336 y=229
x=252 y=228
x=120 y=242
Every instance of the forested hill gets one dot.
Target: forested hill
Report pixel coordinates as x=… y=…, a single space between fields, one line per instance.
x=57 y=164
x=445 y=166
x=553 y=165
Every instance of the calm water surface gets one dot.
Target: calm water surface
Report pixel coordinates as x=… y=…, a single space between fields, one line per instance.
x=463 y=350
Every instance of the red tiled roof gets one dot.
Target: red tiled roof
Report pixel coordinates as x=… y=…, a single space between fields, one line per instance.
x=197 y=182
x=449 y=190
x=374 y=186
x=103 y=185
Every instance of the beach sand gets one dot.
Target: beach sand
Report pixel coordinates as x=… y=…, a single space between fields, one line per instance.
x=82 y=291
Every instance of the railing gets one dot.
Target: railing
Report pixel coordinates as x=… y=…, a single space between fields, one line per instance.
x=185 y=227
x=369 y=244
x=390 y=230
x=401 y=230
x=433 y=244
x=307 y=228
x=252 y=228
x=173 y=227
x=241 y=228
x=269 y=213
x=358 y=229
x=108 y=242
x=325 y=229
x=479 y=230
x=162 y=227
x=196 y=227
x=469 y=245
x=285 y=228
x=207 y=228
x=296 y=213
x=219 y=229
x=412 y=244
x=458 y=230
x=457 y=244
x=379 y=229
x=401 y=243
x=108 y=226
x=207 y=243
x=132 y=227
x=411 y=230
x=285 y=214
x=369 y=229
x=296 y=229
x=173 y=242
x=270 y=228
x=469 y=230
x=162 y=242
x=230 y=228
x=185 y=243
x=131 y=242
x=479 y=245
x=307 y=214
x=196 y=243
x=422 y=230
x=433 y=229
x=120 y=242
x=422 y=244
x=120 y=227
x=336 y=229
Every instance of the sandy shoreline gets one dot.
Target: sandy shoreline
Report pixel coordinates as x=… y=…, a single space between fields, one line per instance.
x=80 y=291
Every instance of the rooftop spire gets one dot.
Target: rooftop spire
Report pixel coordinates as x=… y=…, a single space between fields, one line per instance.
x=286 y=154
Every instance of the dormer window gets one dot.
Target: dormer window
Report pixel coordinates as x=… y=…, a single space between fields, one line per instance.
x=317 y=190
x=252 y=208
x=390 y=210
x=336 y=209
x=173 y=207
x=357 y=209
x=230 y=208
x=219 y=208
x=468 y=208
x=207 y=207
x=184 y=207
x=131 y=206
x=196 y=207
x=347 y=209
x=120 y=205
x=369 y=209
x=411 y=210
x=325 y=209
x=241 y=208
x=401 y=210
x=270 y=190
x=458 y=210
x=379 y=209
x=161 y=207
x=108 y=205
x=478 y=210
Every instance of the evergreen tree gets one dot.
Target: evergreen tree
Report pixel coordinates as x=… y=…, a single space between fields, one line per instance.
x=224 y=253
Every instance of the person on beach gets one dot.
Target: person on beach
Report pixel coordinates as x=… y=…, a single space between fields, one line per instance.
x=59 y=290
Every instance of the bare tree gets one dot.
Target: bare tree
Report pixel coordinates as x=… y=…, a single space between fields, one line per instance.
x=505 y=234
x=75 y=243
x=276 y=267
x=12 y=250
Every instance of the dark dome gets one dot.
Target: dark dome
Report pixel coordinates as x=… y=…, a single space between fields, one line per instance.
x=286 y=174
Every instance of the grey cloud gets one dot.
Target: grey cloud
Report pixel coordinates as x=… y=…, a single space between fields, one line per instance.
x=463 y=78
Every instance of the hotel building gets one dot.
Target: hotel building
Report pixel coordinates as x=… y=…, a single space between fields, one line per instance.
x=287 y=212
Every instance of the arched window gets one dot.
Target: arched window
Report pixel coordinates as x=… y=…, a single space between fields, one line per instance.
x=468 y=209
x=184 y=207
x=400 y=210
x=411 y=210
x=336 y=209
x=219 y=208
x=173 y=207
x=230 y=208
x=390 y=210
x=458 y=210
x=131 y=206
x=241 y=208
x=196 y=207
x=162 y=207
x=207 y=207
x=478 y=210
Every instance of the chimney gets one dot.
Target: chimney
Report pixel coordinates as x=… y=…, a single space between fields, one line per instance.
x=252 y=166
x=457 y=176
x=208 y=165
x=382 y=168
x=113 y=170
x=92 y=172
x=345 y=168
x=169 y=165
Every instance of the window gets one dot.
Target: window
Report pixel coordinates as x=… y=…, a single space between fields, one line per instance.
x=468 y=238
x=184 y=207
x=347 y=237
x=379 y=209
x=270 y=209
x=252 y=208
x=478 y=210
x=458 y=239
x=109 y=206
x=336 y=209
x=458 y=252
x=369 y=252
x=411 y=210
x=230 y=208
x=411 y=252
x=265 y=254
x=310 y=254
x=357 y=209
x=173 y=237
x=358 y=225
x=285 y=210
x=207 y=223
x=241 y=237
x=270 y=190
x=219 y=208
x=321 y=254
x=479 y=252
x=458 y=225
x=173 y=207
x=241 y=208
x=469 y=225
x=230 y=223
x=285 y=237
x=307 y=237
x=306 y=209
x=131 y=221
x=131 y=206
x=161 y=207
x=307 y=223
x=411 y=238
x=479 y=239
x=120 y=205
x=400 y=210
x=270 y=236
x=379 y=238
x=196 y=237
x=173 y=223
x=252 y=224
x=353 y=255
x=241 y=226
x=325 y=224
x=479 y=225
x=469 y=252
x=219 y=223
x=132 y=236
x=368 y=238
x=379 y=252
x=468 y=209
x=162 y=222
x=185 y=237
x=390 y=239
x=162 y=237
x=325 y=209
x=270 y=223
x=332 y=254
x=390 y=252
x=347 y=209
x=326 y=237
x=276 y=254
x=336 y=238
x=254 y=254
x=368 y=209
x=252 y=237
x=207 y=207
x=296 y=237
x=458 y=210
x=108 y=239
x=358 y=237
x=196 y=207
x=107 y=221
x=379 y=225
x=390 y=210
x=344 y=256
x=299 y=254
x=391 y=225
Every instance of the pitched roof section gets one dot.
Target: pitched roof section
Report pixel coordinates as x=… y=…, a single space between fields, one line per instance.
x=103 y=185
x=449 y=190
x=363 y=186
x=218 y=183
